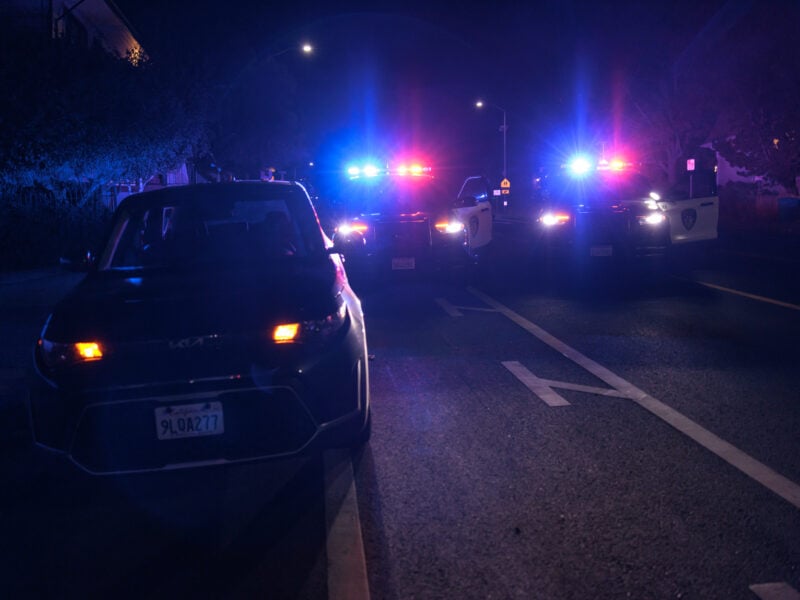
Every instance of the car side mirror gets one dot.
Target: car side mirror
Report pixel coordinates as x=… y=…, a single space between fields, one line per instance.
x=80 y=264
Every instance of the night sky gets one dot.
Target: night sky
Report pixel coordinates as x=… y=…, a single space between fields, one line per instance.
x=402 y=75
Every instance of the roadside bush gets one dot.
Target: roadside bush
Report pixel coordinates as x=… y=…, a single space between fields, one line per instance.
x=37 y=228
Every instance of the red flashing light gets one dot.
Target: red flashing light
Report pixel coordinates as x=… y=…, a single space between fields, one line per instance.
x=413 y=169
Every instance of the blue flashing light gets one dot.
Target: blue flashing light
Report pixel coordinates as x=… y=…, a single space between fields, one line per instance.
x=370 y=170
x=579 y=166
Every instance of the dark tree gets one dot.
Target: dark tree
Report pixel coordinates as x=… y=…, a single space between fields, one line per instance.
x=71 y=115
x=761 y=133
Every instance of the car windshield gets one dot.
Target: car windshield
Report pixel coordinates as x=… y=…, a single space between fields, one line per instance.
x=601 y=188
x=400 y=195
x=228 y=231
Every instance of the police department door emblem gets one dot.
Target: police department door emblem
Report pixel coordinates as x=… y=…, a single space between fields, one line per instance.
x=689 y=218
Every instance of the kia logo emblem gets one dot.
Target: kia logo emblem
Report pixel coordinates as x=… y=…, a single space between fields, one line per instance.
x=185 y=343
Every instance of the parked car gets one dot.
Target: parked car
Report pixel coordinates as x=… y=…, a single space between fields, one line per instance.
x=216 y=325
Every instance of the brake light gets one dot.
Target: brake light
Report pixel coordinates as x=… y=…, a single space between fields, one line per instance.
x=285 y=333
x=56 y=354
x=89 y=350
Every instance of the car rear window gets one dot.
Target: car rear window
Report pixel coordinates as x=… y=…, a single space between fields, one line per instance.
x=227 y=230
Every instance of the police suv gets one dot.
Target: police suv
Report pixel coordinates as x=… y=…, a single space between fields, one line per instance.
x=403 y=219
x=608 y=211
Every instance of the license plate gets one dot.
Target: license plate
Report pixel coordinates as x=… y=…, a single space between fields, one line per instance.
x=403 y=263
x=601 y=250
x=189 y=420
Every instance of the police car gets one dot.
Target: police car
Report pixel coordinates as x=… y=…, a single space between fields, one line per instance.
x=404 y=219
x=606 y=210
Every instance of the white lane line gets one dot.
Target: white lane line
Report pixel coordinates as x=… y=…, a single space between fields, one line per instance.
x=748 y=295
x=583 y=388
x=775 y=591
x=534 y=384
x=448 y=308
x=777 y=483
x=347 y=566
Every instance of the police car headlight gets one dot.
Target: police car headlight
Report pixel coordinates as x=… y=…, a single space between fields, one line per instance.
x=654 y=218
x=551 y=219
x=449 y=227
x=349 y=227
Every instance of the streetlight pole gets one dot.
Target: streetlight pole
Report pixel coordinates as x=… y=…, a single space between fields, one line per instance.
x=503 y=128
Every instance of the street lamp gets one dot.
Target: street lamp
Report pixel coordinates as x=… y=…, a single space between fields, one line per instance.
x=306 y=48
x=503 y=128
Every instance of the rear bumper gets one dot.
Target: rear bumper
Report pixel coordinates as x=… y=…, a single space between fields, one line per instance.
x=288 y=410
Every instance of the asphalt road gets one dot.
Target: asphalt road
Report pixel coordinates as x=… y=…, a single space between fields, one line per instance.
x=575 y=435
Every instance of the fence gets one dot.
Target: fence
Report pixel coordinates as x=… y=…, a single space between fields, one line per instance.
x=37 y=226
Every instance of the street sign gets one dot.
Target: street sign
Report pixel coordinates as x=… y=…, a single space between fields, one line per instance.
x=690 y=164
x=505 y=184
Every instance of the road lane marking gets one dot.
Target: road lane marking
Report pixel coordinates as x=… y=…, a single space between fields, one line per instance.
x=748 y=295
x=347 y=567
x=772 y=480
x=775 y=591
x=448 y=308
x=534 y=384
x=455 y=311
x=583 y=388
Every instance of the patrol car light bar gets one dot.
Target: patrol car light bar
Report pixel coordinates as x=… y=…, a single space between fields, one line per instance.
x=413 y=169
x=581 y=165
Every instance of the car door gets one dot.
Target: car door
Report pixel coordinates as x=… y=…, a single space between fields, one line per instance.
x=692 y=219
x=475 y=211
